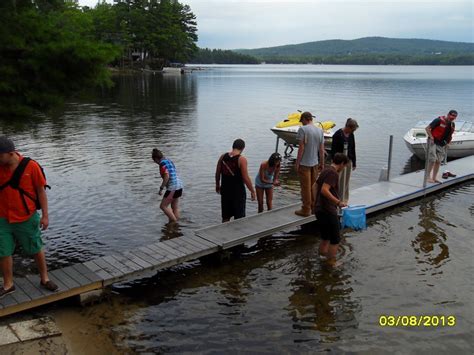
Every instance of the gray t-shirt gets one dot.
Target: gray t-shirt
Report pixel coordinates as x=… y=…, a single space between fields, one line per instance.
x=313 y=138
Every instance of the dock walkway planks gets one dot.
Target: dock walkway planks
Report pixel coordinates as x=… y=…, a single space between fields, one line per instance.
x=98 y=273
x=375 y=197
x=101 y=272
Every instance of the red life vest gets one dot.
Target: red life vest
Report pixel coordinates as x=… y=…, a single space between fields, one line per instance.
x=439 y=132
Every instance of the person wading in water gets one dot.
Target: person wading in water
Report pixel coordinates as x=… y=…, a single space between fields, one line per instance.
x=231 y=178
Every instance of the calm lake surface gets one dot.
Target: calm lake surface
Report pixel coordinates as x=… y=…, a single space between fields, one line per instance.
x=276 y=296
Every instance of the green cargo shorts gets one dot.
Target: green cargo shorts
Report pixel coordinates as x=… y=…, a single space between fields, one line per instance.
x=27 y=234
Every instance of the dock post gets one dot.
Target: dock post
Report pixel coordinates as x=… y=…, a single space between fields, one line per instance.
x=278 y=141
x=344 y=173
x=389 y=166
x=427 y=161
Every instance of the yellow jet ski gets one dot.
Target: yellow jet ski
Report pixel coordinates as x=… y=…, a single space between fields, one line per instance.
x=288 y=128
x=293 y=119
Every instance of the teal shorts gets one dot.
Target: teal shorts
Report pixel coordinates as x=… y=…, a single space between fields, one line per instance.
x=27 y=234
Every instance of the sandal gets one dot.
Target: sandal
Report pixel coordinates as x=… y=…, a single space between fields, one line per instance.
x=4 y=292
x=49 y=285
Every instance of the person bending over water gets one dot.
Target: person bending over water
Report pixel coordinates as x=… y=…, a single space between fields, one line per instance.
x=172 y=183
x=266 y=178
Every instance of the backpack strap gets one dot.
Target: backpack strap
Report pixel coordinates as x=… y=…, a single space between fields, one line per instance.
x=14 y=181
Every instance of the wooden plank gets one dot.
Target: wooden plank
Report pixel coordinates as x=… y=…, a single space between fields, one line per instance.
x=35 y=282
x=174 y=249
x=65 y=279
x=193 y=245
x=19 y=295
x=121 y=262
x=75 y=275
x=137 y=260
x=160 y=255
x=162 y=249
x=28 y=288
x=53 y=297
x=161 y=246
x=8 y=301
x=203 y=241
x=200 y=242
x=91 y=265
x=180 y=245
x=91 y=276
x=110 y=269
x=145 y=257
x=61 y=285
x=157 y=255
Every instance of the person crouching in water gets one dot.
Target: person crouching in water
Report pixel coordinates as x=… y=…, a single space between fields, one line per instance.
x=266 y=178
x=172 y=183
x=326 y=205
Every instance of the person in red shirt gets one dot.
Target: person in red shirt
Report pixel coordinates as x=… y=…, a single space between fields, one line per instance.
x=440 y=132
x=19 y=221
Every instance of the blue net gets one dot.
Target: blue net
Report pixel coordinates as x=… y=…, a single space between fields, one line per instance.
x=354 y=217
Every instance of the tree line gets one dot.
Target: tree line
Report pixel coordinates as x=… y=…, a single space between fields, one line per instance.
x=51 y=49
x=219 y=56
x=374 y=59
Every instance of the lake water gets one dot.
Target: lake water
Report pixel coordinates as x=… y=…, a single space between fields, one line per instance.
x=275 y=296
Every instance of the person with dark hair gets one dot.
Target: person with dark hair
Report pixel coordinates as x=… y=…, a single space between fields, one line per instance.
x=231 y=178
x=341 y=137
x=440 y=132
x=309 y=161
x=327 y=203
x=172 y=183
x=266 y=178
x=20 y=224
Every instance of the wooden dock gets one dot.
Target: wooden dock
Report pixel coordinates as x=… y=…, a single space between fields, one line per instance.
x=101 y=272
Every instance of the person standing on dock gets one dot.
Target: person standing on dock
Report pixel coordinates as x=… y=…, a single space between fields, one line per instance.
x=309 y=161
x=231 y=178
x=342 y=137
x=266 y=178
x=172 y=183
x=327 y=203
x=440 y=132
x=22 y=191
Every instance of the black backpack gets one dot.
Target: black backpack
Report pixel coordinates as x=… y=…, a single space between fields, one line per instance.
x=14 y=183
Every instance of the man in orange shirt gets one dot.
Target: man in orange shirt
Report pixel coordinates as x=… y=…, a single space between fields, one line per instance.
x=19 y=221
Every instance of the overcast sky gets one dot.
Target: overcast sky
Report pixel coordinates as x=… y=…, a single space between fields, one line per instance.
x=230 y=24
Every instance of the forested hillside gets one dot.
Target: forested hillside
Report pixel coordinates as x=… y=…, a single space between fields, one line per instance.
x=370 y=50
x=365 y=46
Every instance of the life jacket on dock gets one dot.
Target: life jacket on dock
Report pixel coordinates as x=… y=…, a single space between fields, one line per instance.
x=443 y=132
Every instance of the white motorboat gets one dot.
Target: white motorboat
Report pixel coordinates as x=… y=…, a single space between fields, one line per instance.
x=462 y=143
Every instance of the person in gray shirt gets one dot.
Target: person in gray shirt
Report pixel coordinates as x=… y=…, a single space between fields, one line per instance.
x=310 y=161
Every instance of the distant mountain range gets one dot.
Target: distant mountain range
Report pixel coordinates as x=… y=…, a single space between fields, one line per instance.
x=363 y=46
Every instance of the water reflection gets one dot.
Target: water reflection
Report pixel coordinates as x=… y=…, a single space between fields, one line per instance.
x=321 y=300
x=171 y=230
x=429 y=244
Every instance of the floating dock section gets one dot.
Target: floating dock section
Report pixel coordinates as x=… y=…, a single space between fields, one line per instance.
x=101 y=272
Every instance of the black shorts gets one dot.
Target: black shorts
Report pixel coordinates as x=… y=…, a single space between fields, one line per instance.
x=329 y=226
x=176 y=193
x=233 y=206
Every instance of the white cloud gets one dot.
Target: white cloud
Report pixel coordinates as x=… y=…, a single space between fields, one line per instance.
x=265 y=23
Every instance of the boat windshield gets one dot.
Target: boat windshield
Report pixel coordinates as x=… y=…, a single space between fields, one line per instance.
x=461 y=126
